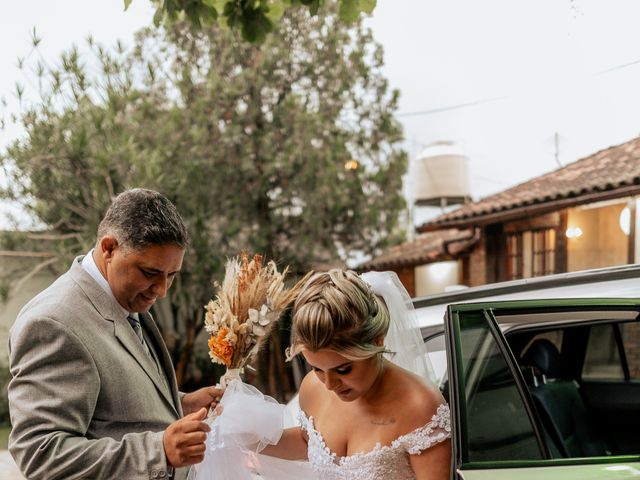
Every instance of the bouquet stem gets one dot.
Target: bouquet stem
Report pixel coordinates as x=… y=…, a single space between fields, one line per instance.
x=230 y=374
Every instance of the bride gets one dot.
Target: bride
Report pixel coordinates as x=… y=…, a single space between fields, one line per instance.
x=362 y=416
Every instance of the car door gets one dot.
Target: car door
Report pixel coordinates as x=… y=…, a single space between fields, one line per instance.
x=610 y=382
x=496 y=430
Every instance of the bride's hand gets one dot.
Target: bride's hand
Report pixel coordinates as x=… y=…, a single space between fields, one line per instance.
x=207 y=397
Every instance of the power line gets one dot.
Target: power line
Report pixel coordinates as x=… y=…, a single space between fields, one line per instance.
x=451 y=107
x=618 y=67
x=495 y=99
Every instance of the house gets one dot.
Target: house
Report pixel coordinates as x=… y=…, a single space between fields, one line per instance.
x=584 y=215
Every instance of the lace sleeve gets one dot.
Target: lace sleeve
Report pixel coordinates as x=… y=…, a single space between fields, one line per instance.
x=302 y=420
x=434 y=432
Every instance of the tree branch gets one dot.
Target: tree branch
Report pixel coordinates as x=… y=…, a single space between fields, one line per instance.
x=15 y=253
x=33 y=271
x=52 y=236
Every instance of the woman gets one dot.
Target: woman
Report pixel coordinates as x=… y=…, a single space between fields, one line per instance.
x=362 y=416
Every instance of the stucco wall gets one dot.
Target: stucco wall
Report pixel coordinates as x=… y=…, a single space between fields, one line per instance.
x=602 y=243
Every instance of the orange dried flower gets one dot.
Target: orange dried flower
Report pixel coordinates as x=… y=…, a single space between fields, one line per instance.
x=220 y=346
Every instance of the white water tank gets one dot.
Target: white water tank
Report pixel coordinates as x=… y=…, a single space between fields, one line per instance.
x=440 y=175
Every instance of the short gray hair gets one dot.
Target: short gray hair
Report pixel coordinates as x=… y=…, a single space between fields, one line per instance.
x=138 y=218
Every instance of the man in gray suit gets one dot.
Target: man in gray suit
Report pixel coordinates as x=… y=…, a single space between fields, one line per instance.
x=94 y=393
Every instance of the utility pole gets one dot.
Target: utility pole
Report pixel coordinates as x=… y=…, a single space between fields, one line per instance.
x=556 y=139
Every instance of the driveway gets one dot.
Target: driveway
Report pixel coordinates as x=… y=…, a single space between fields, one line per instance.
x=8 y=469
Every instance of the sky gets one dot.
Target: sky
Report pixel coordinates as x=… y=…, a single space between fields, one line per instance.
x=542 y=68
x=521 y=87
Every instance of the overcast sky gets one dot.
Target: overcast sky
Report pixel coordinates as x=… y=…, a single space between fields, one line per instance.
x=526 y=71
x=552 y=66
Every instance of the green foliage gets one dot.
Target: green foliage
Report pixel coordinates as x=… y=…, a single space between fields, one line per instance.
x=5 y=376
x=249 y=141
x=4 y=291
x=4 y=437
x=253 y=18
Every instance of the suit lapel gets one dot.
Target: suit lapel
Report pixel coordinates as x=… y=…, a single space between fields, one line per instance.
x=166 y=364
x=127 y=337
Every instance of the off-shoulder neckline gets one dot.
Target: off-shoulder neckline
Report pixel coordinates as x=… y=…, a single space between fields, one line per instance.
x=442 y=409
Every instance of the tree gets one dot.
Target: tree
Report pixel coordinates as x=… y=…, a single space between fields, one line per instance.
x=253 y=18
x=288 y=148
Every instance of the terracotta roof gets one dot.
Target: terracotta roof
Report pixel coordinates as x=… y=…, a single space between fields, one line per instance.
x=426 y=248
x=610 y=173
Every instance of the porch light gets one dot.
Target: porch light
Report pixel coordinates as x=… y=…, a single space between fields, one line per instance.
x=573 y=232
x=351 y=165
x=625 y=220
x=440 y=270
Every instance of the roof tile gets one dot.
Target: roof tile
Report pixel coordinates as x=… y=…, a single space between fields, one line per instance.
x=427 y=247
x=605 y=170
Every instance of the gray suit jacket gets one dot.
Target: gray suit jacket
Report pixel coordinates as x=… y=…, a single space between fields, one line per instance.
x=86 y=401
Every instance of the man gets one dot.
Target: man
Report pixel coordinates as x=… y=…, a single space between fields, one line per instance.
x=94 y=393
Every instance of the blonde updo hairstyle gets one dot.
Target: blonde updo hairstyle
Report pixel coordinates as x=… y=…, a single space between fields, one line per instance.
x=337 y=310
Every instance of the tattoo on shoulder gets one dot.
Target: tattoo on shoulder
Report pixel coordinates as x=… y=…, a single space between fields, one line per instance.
x=384 y=421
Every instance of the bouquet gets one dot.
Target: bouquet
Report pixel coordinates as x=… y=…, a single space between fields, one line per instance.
x=247 y=305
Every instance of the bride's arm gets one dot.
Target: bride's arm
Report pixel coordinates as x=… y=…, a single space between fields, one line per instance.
x=434 y=460
x=293 y=443
x=433 y=463
x=291 y=446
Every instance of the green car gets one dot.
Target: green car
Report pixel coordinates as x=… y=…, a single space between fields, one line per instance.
x=542 y=389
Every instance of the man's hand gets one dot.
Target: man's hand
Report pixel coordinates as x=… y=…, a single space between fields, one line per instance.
x=183 y=441
x=207 y=397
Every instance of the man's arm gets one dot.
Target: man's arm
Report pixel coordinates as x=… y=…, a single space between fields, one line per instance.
x=52 y=400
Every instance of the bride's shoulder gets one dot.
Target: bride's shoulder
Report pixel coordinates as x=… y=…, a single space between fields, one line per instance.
x=418 y=399
x=311 y=392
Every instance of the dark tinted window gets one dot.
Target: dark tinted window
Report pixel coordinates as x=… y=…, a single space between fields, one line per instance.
x=497 y=424
x=631 y=340
x=602 y=358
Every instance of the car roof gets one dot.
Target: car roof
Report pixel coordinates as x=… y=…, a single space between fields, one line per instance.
x=615 y=282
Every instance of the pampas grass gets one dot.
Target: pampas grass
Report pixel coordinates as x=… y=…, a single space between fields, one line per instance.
x=246 y=307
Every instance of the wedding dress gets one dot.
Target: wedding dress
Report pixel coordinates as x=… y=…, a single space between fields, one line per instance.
x=388 y=462
x=251 y=420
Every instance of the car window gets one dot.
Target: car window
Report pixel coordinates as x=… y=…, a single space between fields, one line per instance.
x=602 y=358
x=577 y=377
x=497 y=424
x=554 y=336
x=437 y=356
x=631 y=340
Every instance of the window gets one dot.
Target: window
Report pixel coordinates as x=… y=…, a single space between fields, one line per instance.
x=531 y=253
x=491 y=398
x=602 y=358
x=554 y=336
x=437 y=356
x=630 y=333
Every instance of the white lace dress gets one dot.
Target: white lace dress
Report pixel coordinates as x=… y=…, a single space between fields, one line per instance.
x=388 y=462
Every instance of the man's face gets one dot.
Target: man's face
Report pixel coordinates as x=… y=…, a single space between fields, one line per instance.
x=138 y=277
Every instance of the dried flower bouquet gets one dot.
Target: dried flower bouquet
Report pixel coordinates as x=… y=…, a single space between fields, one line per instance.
x=247 y=305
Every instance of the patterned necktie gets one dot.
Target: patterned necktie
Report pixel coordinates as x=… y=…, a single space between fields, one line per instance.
x=135 y=324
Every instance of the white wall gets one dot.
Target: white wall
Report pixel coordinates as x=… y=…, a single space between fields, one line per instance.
x=435 y=277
